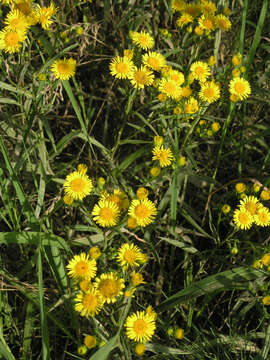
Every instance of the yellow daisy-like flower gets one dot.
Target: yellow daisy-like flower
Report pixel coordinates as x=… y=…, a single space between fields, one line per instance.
x=16 y=21
x=184 y=19
x=186 y=91
x=11 y=41
x=250 y=204
x=266 y=300
x=118 y=197
x=129 y=53
x=144 y=211
x=262 y=216
x=63 y=69
x=170 y=88
x=223 y=23
x=191 y=106
x=242 y=219
x=178 y=5
x=94 y=252
x=109 y=286
x=129 y=255
x=68 y=200
x=240 y=188
x=240 y=87
x=121 y=67
x=140 y=349
x=179 y=333
x=237 y=59
x=85 y=285
x=141 y=77
x=140 y=327
x=200 y=71
x=154 y=60
x=131 y=223
x=207 y=23
x=137 y=279
x=142 y=39
x=81 y=267
x=266 y=259
x=82 y=168
x=226 y=209
x=89 y=303
x=209 y=92
x=208 y=7
x=265 y=195
x=164 y=156
x=193 y=9
x=90 y=341
x=176 y=76
x=106 y=213
x=44 y=15
x=77 y=185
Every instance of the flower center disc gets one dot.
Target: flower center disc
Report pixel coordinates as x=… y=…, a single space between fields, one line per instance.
x=77 y=185
x=106 y=214
x=141 y=211
x=244 y=219
x=90 y=301
x=108 y=287
x=140 y=327
x=63 y=68
x=239 y=88
x=121 y=68
x=81 y=268
x=140 y=77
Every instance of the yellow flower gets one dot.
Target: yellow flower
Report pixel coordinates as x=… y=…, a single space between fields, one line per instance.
x=211 y=60
x=68 y=200
x=82 y=168
x=129 y=53
x=223 y=23
x=207 y=23
x=209 y=92
x=16 y=21
x=226 y=209
x=164 y=156
x=150 y=311
x=11 y=41
x=170 y=88
x=242 y=219
x=179 y=333
x=162 y=97
x=121 y=67
x=88 y=303
x=250 y=204
x=140 y=327
x=266 y=300
x=193 y=9
x=198 y=31
x=154 y=171
x=118 y=197
x=131 y=223
x=106 y=213
x=176 y=76
x=191 y=106
x=262 y=216
x=85 y=285
x=154 y=60
x=186 y=91
x=81 y=267
x=182 y=161
x=63 y=69
x=265 y=195
x=235 y=72
x=140 y=349
x=109 y=286
x=184 y=19
x=266 y=259
x=200 y=71
x=142 y=39
x=128 y=255
x=44 y=15
x=256 y=187
x=136 y=279
x=215 y=126
x=257 y=264
x=94 y=252
x=240 y=188
x=82 y=350
x=141 y=77
x=144 y=211
x=90 y=341
x=178 y=5
x=142 y=193
x=208 y=7
x=240 y=87
x=77 y=185
x=158 y=140
x=236 y=59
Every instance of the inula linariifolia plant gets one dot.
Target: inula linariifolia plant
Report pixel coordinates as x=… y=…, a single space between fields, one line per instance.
x=135 y=198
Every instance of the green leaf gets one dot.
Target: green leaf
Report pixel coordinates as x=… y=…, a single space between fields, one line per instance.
x=227 y=280
x=5 y=350
x=105 y=350
x=34 y=238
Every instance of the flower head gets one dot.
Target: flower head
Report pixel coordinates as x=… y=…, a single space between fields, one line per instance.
x=142 y=193
x=223 y=23
x=242 y=219
x=265 y=195
x=94 y=252
x=90 y=341
x=106 y=213
x=141 y=77
x=179 y=333
x=137 y=279
x=154 y=60
x=170 y=88
x=266 y=300
x=140 y=326
x=184 y=19
x=11 y=41
x=240 y=88
x=240 y=188
x=109 y=286
x=81 y=267
x=129 y=256
x=77 y=185
x=16 y=21
x=207 y=23
x=140 y=349
x=209 y=92
x=44 y=15
x=262 y=216
x=89 y=303
x=63 y=69
x=200 y=70
x=176 y=76
x=250 y=204
x=163 y=155
x=142 y=39
x=121 y=67
x=144 y=211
